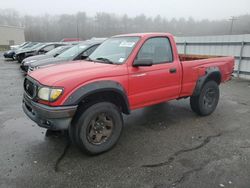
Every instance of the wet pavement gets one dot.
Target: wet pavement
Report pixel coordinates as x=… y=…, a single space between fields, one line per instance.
x=161 y=146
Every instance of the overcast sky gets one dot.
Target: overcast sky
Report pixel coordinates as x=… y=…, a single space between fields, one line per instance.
x=198 y=9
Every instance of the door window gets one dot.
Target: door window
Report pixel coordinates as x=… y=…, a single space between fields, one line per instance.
x=156 y=49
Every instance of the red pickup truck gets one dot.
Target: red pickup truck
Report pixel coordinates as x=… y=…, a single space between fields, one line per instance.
x=126 y=72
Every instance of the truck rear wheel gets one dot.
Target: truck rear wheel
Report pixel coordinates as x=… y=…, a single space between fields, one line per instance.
x=97 y=128
x=205 y=103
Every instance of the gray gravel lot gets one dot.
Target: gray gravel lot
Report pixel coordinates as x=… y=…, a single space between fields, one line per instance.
x=165 y=145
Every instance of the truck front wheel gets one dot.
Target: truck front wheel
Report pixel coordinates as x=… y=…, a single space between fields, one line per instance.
x=205 y=103
x=97 y=128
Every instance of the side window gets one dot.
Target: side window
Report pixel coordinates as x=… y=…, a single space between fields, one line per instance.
x=89 y=51
x=158 y=49
x=48 y=48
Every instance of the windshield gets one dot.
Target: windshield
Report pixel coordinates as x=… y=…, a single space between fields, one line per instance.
x=29 y=45
x=73 y=51
x=57 y=50
x=114 y=50
x=36 y=46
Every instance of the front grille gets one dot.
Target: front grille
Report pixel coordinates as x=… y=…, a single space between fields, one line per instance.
x=30 y=88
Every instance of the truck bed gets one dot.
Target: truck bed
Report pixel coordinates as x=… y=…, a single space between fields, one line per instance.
x=194 y=66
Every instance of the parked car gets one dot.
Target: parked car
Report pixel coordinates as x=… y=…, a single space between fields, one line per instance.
x=38 y=49
x=51 y=54
x=77 y=52
x=124 y=73
x=11 y=53
x=22 y=51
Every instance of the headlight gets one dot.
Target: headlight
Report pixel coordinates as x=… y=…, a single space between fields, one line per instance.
x=49 y=94
x=43 y=93
x=55 y=93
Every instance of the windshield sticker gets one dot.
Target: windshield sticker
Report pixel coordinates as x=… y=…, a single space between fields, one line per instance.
x=127 y=44
x=121 y=60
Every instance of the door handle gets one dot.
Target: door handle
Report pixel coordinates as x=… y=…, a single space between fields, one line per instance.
x=139 y=75
x=172 y=70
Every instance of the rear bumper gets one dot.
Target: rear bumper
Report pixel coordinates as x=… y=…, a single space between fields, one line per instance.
x=54 y=118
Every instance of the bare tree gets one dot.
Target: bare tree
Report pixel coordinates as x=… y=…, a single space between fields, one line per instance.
x=56 y=27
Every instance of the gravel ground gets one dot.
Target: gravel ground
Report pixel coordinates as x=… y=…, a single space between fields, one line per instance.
x=162 y=146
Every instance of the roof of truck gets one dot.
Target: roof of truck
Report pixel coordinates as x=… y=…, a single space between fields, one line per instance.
x=143 y=34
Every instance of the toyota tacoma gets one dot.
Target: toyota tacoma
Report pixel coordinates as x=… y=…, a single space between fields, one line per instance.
x=124 y=73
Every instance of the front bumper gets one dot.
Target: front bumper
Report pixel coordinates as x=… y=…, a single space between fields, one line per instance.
x=54 y=118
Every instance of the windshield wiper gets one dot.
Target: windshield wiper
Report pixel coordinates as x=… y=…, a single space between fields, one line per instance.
x=105 y=60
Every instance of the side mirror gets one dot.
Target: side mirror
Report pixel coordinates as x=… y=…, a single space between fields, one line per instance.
x=143 y=62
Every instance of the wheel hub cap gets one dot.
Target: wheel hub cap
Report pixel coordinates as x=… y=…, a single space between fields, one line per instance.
x=100 y=129
x=209 y=97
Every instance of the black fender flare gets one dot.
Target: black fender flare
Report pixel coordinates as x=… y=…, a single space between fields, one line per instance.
x=212 y=73
x=95 y=87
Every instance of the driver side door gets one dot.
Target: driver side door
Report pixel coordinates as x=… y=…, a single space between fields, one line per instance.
x=159 y=82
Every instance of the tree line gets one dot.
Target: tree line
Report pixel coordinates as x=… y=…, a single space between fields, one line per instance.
x=55 y=27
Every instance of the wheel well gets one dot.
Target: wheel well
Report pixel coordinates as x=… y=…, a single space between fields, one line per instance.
x=107 y=96
x=215 y=76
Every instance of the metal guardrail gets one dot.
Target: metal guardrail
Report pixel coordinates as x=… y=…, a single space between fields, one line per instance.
x=240 y=57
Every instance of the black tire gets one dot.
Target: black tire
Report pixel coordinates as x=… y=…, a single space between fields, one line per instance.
x=88 y=128
x=205 y=103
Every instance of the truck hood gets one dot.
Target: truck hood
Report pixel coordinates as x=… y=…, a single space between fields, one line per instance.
x=75 y=72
